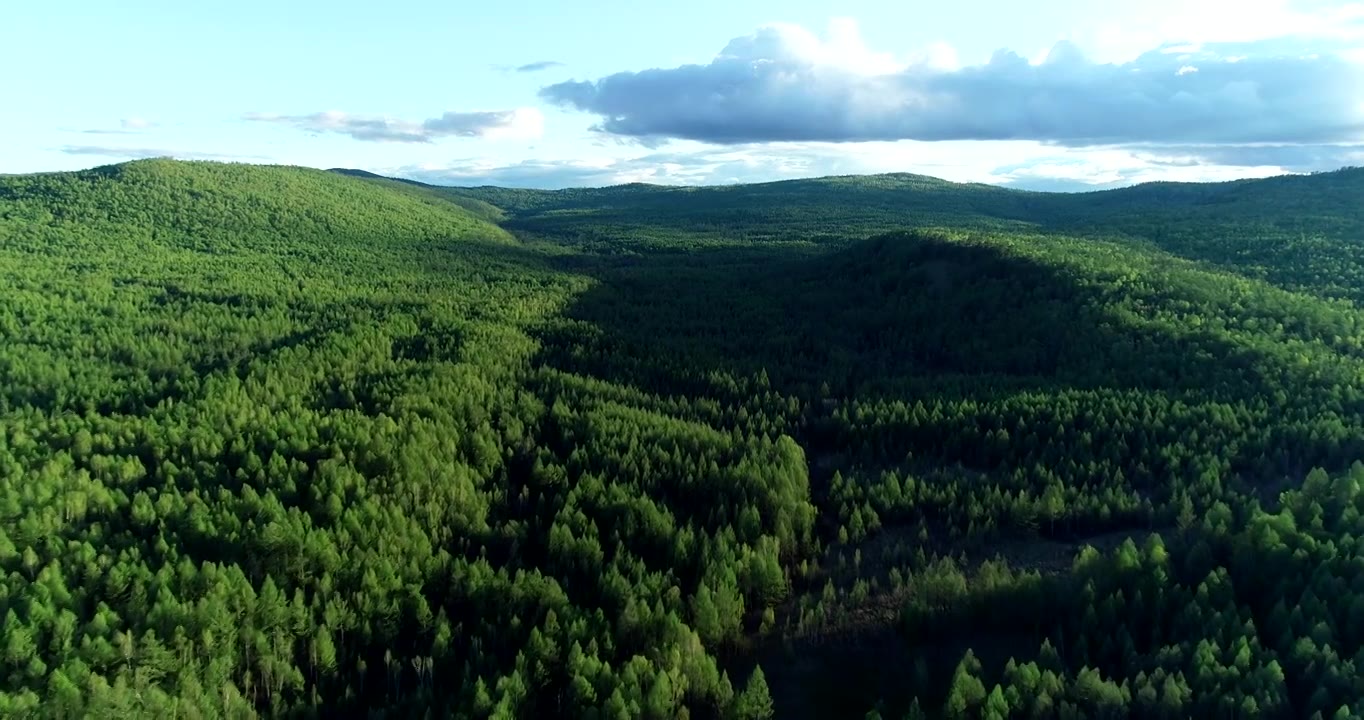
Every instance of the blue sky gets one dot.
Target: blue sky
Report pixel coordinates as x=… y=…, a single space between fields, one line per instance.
x=1053 y=95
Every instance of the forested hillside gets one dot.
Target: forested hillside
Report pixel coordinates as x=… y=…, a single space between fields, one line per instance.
x=1286 y=229
x=284 y=442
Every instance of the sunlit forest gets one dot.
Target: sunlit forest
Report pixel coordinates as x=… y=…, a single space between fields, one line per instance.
x=280 y=442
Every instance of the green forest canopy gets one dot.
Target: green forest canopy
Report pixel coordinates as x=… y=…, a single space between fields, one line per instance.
x=285 y=442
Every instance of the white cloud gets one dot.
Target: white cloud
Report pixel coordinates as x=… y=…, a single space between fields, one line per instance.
x=1295 y=158
x=1100 y=169
x=1187 y=90
x=1021 y=164
x=938 y=56
x=126 y=126
x=1184 y=49
x=518 y=123
x=1190 y=23
x=783 y=83
x=138 y=153
x=841 y=49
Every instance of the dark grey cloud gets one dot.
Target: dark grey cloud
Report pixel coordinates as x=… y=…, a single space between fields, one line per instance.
x=138 y=153
x=539 y=66
x=521 y=122
x=781 y=84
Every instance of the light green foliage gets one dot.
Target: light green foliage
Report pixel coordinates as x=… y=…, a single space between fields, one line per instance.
x=281 y=442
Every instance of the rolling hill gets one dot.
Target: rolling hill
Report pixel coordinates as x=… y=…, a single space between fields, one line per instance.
x=1298 y=231
x=287 y=442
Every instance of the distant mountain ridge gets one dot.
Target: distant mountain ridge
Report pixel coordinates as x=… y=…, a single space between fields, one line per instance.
x=857 y=179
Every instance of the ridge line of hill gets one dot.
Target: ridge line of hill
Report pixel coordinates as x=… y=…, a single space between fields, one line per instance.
x=355 y=172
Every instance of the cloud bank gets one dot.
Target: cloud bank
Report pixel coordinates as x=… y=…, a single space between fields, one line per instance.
x=1021 y=164
x=518 y=123
x=676 y=168
x=784 y=83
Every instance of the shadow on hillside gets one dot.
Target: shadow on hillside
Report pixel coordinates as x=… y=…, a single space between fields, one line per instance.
x=900 y=316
